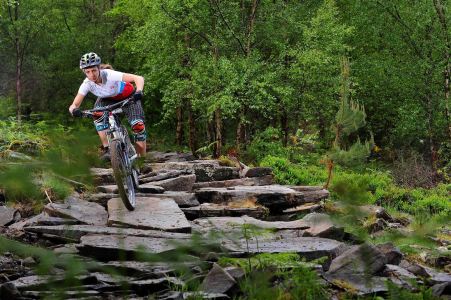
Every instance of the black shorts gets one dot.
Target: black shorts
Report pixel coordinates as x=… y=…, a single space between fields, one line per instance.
x=134 y=113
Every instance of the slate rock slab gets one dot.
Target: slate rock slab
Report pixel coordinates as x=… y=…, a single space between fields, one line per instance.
x=114 y=247
x=218 y=210
x=217 y=281
x=150 y=213
x=205 y=170
x=180 y=183
x=81 y=210
x=102 y=175
x=141 y=269
x=162 y=175
x=400 y=276
x=234 y=224
x=149 y=286
x=28 y=222
x=275 y=197
x=392 y=254
x=170 y=156
x=258 y=172
x=174 y=295
x=359 y=284
x=8 y=215
x=183 y=199
x=265 y=180
x=304 y=208
x=308 y=247
x=77 y=231
x=362 y=259
x=143 y=188
x=321 y=225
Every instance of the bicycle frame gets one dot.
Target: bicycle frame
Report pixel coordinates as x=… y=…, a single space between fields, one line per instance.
x=122 y=151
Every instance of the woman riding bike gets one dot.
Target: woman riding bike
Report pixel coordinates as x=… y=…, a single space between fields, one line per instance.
x=112 y=86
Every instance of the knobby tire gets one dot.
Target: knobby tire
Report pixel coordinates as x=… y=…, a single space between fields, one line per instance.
x=123 y=179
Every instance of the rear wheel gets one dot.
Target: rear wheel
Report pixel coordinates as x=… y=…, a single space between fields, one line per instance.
x=122 y=171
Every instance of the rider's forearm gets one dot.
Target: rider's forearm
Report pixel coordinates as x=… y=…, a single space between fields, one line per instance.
x=139 y=82
x=76 y=103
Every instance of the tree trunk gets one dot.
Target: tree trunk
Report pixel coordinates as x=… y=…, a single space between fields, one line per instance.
x=442 y=18
x=179 y=128
x=447 y=112
x=284 y=126
x=192 y=130
x=218 y=133
x=19 y=89
x=321 y=126
x=429 y=101
x=14 y=17
x=251 y=25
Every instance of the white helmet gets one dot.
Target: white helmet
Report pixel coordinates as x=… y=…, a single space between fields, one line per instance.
x=89 y=60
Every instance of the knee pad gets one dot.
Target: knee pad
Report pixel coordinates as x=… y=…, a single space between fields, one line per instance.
x=139 y=130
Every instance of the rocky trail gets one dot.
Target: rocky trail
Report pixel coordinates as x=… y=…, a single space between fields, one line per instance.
x=211 y=210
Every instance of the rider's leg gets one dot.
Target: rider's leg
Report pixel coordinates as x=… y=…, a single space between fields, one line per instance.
x=139 y=132
x=103 y=138
x=135 y=116
x=102 y=125
x=141 y=148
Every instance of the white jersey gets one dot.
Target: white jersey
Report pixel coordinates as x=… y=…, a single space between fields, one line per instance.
x=111 y=85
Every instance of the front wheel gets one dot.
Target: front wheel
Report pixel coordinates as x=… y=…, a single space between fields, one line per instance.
x=122 y=171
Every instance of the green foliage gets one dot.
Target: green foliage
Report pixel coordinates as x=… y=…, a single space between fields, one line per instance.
x=398 y=293
x=57 y=188
x=355 y=156
x=349 y=118
x=264 y=260
x=267 y=142
x=25 y=138
x=57 y=158
x=7 y=107
x=297 y=280
x=288 y=173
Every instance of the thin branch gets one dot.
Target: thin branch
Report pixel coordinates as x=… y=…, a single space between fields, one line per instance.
x=407 y=37
x=48 y=197
x=65 y=22
x=76 y=183
x=228 y=26
x=186 y=26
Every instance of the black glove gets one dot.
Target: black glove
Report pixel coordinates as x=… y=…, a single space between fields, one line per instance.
x=77 y=113
x=138 y=95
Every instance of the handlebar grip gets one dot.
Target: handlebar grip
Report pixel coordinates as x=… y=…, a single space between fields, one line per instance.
x=77 y=113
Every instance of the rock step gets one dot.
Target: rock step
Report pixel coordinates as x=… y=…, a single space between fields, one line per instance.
x=275 y=197
x=205 y=170
x=308 y=247
x=144 y=188
x=83 y=211
x=77 y=231
x=150 y=213
x=218 y=210
x=248 y=181
x=115 y=247
x=183 y=199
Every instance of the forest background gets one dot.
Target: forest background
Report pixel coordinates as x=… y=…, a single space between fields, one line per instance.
x=276 y=83
x=351 y=94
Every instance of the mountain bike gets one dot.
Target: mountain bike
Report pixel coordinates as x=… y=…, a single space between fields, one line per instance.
x=121 y=149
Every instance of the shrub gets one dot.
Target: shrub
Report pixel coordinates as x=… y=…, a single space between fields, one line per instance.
x=410 y=170
x=287 y=173
x=266 y=143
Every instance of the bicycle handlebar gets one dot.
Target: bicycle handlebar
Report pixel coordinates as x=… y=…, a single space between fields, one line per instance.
x=98 y=112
